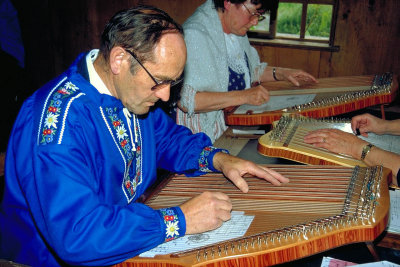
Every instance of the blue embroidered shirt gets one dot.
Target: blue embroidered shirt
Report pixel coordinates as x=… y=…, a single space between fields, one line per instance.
x=73 y=173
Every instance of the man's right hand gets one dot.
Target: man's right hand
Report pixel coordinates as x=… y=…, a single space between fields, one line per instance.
x=206 y=212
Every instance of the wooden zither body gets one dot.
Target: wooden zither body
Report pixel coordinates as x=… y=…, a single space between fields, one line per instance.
x=285 y=140
x=334 y=96
x=322 y=207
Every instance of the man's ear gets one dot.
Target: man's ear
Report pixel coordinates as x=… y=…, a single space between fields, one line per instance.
x=117 y=57
x=227 y=5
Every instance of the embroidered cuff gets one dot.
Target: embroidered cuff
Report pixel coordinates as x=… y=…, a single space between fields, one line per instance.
x=175 y=224
x=206 y=158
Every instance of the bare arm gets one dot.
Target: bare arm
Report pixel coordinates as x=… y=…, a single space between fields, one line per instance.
x=368 y=123
x=206 y=101
x=210 y=101
x=385 y=158
x=297 y=77
x=342 y=142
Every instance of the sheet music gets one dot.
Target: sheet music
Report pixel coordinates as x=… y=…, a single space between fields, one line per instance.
x=277 y=103
x=234 y=228
x=247 y=130
x=394 y=219
x=379 y=264
x=332 y=262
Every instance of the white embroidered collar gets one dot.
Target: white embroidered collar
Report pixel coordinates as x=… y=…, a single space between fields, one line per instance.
x=94 y=77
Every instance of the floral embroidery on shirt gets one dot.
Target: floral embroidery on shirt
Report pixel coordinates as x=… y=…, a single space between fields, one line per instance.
x=132 y=177
x=206 y=156
x=56 y=104
x=171 y=221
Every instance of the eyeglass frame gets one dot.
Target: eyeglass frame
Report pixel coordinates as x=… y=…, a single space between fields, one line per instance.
x=252 y=14
x=159 y=84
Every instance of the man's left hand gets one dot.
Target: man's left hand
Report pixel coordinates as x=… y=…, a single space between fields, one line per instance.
x=235 y=168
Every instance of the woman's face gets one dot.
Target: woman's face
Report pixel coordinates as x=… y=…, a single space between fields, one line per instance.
x=238 y=18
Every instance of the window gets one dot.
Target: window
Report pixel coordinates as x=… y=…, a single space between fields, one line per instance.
x=302 y=20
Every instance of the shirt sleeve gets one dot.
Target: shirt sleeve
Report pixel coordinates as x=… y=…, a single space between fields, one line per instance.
x=81 y=224
x=80 y=219
x=174 y=223
x=180 y=151
x=206 y=159
x=206 y=67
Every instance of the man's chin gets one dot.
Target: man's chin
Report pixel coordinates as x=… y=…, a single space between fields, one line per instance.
x=140 y=111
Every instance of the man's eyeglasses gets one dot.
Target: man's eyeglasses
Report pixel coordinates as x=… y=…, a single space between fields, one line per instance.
x=254 y=15
x=159 y=84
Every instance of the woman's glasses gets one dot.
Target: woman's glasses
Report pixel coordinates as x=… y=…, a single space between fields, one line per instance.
x=254 y=15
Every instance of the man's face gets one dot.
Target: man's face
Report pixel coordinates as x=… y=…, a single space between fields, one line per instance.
x=135 y=91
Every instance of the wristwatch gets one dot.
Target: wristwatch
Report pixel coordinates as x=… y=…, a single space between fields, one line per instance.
x=366 y=149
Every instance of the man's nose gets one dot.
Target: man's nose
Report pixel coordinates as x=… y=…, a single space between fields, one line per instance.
x=163 y=93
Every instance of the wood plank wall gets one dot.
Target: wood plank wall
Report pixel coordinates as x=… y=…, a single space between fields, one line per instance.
x=55 y=32
x=368 y=34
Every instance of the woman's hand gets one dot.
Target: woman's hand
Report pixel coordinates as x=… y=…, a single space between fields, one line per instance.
x=336 y=141
x=296 y=77
x=256 y=96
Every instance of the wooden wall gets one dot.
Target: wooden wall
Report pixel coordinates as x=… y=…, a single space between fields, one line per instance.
x=368 y=34
x=55 y=32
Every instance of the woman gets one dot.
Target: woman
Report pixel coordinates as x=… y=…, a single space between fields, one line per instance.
x=221 y=63
x=346 y=143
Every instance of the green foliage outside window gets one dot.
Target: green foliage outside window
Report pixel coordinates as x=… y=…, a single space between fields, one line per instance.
x=318 y=22
x=289 y=18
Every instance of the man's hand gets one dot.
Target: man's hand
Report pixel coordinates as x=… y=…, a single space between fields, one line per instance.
x=206 y=212
x=235 y=168
x=210 y=209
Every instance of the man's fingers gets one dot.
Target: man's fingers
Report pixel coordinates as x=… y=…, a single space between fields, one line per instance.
x=272 y=176
x=206 y=211
x=224 y=215
x=239 y=182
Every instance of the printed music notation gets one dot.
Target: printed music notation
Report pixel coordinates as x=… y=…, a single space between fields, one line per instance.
x=393 y=227
x=331 y=262
x=234 y=228
x=276 y=103
x=394 y=221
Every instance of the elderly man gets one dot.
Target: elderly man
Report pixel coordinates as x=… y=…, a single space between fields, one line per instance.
x=87 y=145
